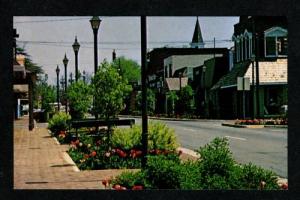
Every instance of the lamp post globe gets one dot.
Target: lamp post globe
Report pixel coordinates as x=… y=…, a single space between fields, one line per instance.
x=95 y=22
x=76 y=47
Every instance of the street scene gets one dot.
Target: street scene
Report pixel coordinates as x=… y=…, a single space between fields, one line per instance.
x=134 y=103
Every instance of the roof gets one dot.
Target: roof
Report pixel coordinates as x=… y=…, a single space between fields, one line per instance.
x=174 y=83
x=197 y=37
x=270 y=72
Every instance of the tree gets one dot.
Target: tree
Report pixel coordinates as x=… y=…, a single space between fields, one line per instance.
x=172 y=98
x=44 y=94
x=128 y=68
x=186 y=104
x=80 y=99
x=109 y=90
x=150 y=100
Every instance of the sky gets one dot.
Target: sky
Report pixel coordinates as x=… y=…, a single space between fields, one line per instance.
x=47 y=39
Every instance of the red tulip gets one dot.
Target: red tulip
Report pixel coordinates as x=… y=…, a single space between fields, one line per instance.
x=93 y=154
x=86 y=156
x=284 y=186
x=117 y=187
x=137 y=187
x=105 y=183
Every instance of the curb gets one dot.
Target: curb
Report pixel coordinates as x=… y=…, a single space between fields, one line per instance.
x=69 y=160
x=188 y=152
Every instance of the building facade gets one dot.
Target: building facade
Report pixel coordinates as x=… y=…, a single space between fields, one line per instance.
x=260 y=54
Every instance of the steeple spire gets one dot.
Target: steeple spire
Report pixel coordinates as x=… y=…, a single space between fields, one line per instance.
x=197 y=41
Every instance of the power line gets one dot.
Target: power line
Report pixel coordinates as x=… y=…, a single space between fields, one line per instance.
x=51 y=20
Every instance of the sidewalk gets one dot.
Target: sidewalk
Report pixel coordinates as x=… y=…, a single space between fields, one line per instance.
x=40 y=163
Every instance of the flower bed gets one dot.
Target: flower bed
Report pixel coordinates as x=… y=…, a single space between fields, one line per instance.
x=279 y=121
x=215 y=170
x=125 y=149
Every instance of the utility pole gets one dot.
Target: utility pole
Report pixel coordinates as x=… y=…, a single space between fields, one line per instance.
x=144 y=90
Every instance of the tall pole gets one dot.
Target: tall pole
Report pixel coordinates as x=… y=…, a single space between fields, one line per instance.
x=30 y=94
x=257 y=75
x=57 y=88
x=76 y=66
x=95 y=50
x=65 y=61
x=253 y=90
x=144 y=90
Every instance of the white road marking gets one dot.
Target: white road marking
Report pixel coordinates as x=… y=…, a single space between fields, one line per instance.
x=189 y=129
x=237 y=138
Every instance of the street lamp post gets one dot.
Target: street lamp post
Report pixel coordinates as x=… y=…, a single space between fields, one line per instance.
x=71 y=78
x=65 y=61
x=204 y=86
x=180 y=76
x=95 y=23
x=57 y=87
x=76 y=47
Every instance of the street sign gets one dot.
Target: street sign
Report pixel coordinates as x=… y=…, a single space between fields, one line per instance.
x=243 y=83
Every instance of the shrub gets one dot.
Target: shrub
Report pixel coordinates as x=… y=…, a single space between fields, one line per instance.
x=79 y=96
x=163 y=173
x=160 y=136
x=131 y=179
x=251 y=177
x=127 y=138
x=59 y=122
x=216 y=158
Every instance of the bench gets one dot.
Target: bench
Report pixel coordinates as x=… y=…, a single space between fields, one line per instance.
x=100 y=122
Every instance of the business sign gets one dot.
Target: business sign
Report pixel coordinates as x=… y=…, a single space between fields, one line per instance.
x=243 y=83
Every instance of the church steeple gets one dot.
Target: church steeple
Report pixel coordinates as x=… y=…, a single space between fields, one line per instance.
x=197 y=41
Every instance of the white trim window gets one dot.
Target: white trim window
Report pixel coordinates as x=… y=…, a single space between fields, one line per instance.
x=242 y=47
x=275 y=42
x=238 y=49
x=248 y=44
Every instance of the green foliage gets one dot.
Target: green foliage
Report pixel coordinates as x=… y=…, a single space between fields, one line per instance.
x=128 y=69
x=127 y=138
x=80 y=99
x=59 y=122
x=109 y=89
x=163 y=173
x=251 y=176
x=186 y=102
x=172 y=98
x=130 y=179
x=45 y=94
x=216 y=158
x=160 y=136
x=150 y=101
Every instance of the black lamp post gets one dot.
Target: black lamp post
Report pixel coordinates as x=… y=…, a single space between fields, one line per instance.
x=71 y=78
x=65 y=61
x=57 y=87
x=180 y=76
x=76 y=47
x=204 y=86
x=95 y=23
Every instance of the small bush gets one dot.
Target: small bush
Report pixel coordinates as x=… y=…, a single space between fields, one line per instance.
x=160 y=136
x=216 y=158
x=131 y=179
x=163 y=173
x=251 y=177
x=59 y=122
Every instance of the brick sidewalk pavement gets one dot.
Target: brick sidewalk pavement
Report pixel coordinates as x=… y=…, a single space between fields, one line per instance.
x=39 y=163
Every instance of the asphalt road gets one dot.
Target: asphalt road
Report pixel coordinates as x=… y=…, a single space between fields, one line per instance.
x=266 y=147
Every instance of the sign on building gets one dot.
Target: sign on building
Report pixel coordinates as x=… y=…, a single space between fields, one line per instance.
x=243 y=83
